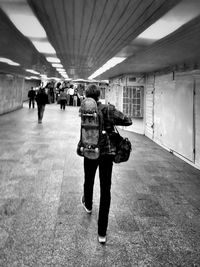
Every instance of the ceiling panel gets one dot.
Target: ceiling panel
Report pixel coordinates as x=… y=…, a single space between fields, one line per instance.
x=87 y=33
x=15 y=46
x=180 y=47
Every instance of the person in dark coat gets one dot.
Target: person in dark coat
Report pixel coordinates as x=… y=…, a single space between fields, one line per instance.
x=63 y=99
x=42 y=100
x=31 y=96
x=111 y=117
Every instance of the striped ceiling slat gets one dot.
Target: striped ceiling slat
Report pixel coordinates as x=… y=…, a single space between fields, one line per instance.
x=87 y=33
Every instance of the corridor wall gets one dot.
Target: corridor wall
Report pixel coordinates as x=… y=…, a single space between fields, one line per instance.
x=11 y=92
x=197 y=119
x=175 y=110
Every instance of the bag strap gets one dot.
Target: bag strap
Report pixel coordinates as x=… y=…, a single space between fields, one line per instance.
x=101 y=118
x=115 y=128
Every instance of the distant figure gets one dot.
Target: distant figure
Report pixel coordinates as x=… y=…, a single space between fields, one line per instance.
x=68 y=98
x=63 y=99
x=42 y=100
x=57 y=90
x=75 y=98
x=70 y=91
x=31 y=96
x=80 y=93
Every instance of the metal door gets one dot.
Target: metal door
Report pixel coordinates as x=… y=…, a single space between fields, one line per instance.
x=149 y=111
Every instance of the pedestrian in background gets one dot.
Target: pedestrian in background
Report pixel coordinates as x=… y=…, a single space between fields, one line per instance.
x=42 y=100
x=31 y=96
x=63 y=99
x=70 y=91
x=75 y=98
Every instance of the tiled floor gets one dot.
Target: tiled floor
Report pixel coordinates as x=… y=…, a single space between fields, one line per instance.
x=155 y=210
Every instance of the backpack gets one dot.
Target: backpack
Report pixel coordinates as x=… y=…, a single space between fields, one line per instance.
x=88 y=145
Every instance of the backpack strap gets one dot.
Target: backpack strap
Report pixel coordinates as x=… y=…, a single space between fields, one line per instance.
x=101 y=118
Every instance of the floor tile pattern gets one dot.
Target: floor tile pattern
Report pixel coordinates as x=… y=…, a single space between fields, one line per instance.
x=155 y=210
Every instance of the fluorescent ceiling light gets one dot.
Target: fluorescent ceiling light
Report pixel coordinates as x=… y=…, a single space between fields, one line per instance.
x=53 y=59
x=44 y=47
x=32 y=77
x=35 y=77
x=43 y=75
x=104 y=81
x=57 y=65
x=53 y=78
x=62 y=71
x=8 y=61
x=23 y=18
x=171 y=21
x=64 y=75
x=159 y=30
x=108 y=65
x=32 y=71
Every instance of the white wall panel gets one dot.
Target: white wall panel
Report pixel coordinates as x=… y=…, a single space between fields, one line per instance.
x=197 y=122
x=149 y=96
x=174 y=114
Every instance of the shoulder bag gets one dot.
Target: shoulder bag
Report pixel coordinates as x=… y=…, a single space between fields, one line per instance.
x=123 y=147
